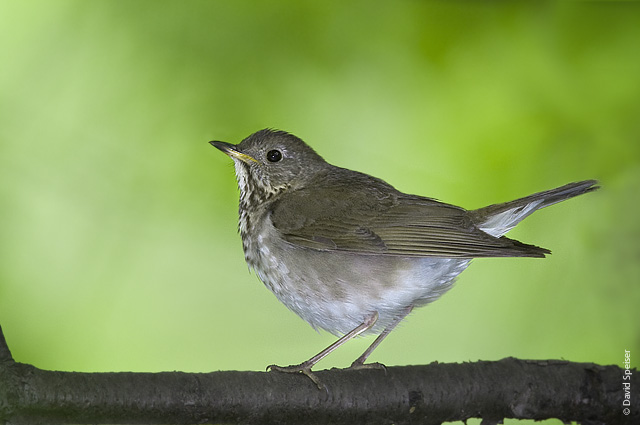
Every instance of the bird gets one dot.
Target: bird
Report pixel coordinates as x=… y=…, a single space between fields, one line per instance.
x=349 y=253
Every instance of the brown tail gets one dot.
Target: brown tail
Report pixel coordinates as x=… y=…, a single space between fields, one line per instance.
x=498 y=219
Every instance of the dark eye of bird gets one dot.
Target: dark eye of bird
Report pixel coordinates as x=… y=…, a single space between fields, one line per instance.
x=274 y=155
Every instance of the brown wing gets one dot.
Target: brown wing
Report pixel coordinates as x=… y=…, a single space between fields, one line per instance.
x=386 y=222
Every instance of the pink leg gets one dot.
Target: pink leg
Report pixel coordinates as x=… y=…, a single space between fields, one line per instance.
x=305 y=367
x=359 y=362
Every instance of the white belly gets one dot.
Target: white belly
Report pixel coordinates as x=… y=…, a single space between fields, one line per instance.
x=336 y=291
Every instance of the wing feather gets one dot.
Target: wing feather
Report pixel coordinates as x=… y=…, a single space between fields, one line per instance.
x=387 y=222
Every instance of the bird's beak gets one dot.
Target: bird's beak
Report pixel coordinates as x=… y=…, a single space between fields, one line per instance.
x=231 y=150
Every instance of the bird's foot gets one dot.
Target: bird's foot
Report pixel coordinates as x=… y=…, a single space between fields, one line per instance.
x=358 y=365
x=302 y=368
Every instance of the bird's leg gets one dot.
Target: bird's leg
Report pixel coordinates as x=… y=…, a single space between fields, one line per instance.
x=359 y=362
x=305 y=367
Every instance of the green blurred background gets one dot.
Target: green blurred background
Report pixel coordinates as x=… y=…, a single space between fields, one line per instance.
x=118 y=246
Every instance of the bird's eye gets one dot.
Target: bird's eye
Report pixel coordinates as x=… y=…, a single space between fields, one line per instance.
x=274 y=155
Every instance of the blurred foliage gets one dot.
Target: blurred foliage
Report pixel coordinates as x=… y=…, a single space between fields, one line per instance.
x=119 y=248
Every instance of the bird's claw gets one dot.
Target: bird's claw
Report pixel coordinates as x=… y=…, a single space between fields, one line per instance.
x=301 y=368
x=375 y=365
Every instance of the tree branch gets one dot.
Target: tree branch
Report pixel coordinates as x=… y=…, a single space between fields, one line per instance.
x=431 y=394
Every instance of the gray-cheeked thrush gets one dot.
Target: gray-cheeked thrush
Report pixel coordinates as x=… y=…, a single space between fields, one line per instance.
x=349 y=253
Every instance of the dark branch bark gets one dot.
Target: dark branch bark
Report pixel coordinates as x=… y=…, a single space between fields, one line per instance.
x=431 y=394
